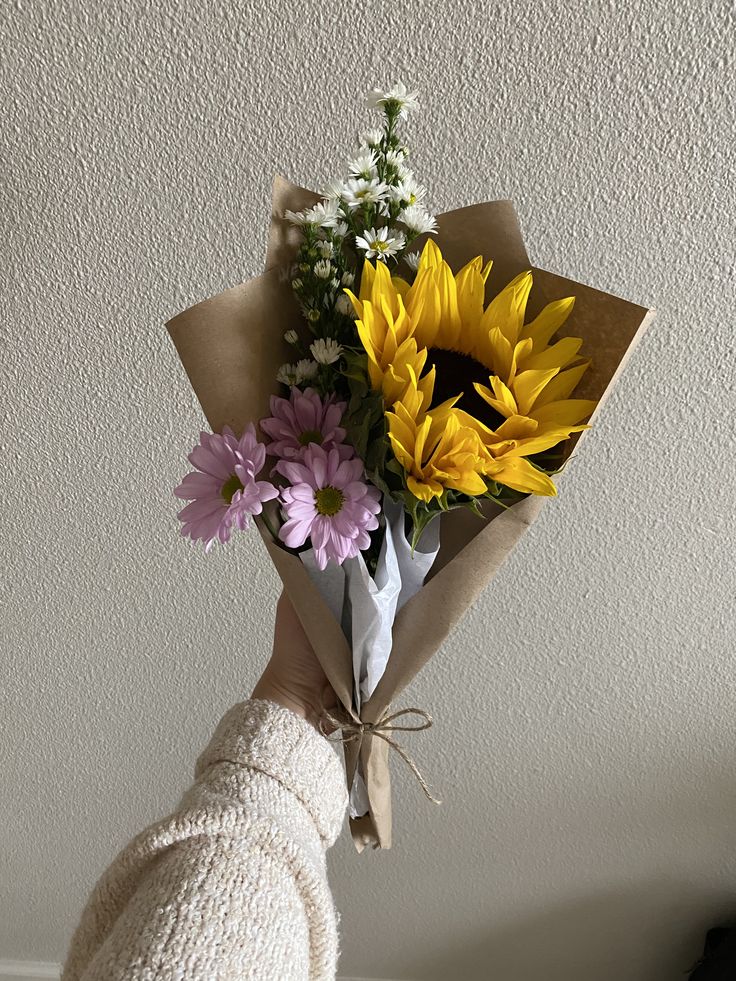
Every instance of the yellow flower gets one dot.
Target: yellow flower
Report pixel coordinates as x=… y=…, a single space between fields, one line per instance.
x=493 y=375
x=435 y=449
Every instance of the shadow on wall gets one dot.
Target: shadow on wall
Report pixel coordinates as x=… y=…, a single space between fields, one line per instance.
x=646 y=935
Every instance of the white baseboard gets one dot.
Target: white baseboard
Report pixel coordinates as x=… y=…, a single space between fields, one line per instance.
x=28 y=971
x=39 y=971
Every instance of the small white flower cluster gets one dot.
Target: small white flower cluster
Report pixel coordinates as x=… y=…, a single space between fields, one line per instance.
x=296 y=374
x=376 y=211
x=379 y=205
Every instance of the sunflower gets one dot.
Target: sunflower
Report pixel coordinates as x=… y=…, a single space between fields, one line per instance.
x=471 y=391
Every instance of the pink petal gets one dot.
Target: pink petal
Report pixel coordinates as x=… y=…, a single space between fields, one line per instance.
x=294 y=533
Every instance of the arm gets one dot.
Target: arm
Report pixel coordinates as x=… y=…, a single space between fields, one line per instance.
x=233 y=884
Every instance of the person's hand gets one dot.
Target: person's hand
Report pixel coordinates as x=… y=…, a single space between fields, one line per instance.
x=294 y=677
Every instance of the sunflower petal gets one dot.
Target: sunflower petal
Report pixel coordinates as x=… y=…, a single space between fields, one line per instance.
x=558 y=356
x=528 y=384
x=544 y=325
x=520 y=475
x=565 y=411
x=562 y=385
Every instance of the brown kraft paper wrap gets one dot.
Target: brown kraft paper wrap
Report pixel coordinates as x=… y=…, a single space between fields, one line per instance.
x=231 y=347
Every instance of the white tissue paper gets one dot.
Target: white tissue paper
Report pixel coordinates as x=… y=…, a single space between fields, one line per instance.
x=366 y=606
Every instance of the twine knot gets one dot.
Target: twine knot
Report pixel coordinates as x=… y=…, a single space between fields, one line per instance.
x=352 y=729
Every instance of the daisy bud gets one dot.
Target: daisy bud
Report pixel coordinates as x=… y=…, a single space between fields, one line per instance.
x=291 y=337
x=344 y=306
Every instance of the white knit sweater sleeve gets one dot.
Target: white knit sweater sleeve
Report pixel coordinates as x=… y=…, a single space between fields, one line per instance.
x=233 y=884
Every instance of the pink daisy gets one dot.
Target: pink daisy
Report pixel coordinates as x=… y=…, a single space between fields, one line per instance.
x=223 y=490
x=329 y=502
x=302 y=419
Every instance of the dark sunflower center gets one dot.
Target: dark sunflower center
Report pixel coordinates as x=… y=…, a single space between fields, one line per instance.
x=231 y=485
x=328 y=501
x=310 y=436
x=455 y=375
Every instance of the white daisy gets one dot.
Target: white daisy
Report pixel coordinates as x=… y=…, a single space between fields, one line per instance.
x=418 y=220
x=291 y=337
x=286 y=374
x=396 y=157
x=324 y=249
x=413 y=191
x=326 y=350
x=340 y=230
x=412 y=260
x=372 y=138
x=333 y=190
x=344 y=306
x=296 y=284
x=323 y=269
x=380 y=243
x=403 y=173
x=365 y=166
x=397 y=95
x=348 y=278
x=325 y=213
x=359 y=192
x=305 y=370
x=296 y=217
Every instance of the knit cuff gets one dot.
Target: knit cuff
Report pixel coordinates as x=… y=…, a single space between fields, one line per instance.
x=268 y=737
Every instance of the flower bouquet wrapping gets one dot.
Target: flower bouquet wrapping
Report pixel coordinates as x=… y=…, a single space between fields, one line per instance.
x=392 y=402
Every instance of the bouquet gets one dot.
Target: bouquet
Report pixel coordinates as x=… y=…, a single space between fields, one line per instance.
x=391 y=403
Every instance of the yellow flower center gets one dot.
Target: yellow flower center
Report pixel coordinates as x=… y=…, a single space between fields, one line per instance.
x=328 y=500
x=230 y=487
x=310 y=436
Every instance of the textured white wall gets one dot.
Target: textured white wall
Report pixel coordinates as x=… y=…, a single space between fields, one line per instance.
x=585 y=741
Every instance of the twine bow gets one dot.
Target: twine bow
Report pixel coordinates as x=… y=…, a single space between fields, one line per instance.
x=352 y=729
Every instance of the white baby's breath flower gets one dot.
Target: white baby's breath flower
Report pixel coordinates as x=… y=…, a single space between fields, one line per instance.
x=286 y=374
x=325 y=350
x=344 y=306
x=296 y=217
x=364 y=166
x=418 y=220
x=348 y=278
x=323 y=269
x=340 y=230
x=324 y=213
x=412 y=260
x=291 y=337
x=372 y=137
x=305 y=370
x=359 y=192
x=380 y=243
x=397 y=95
x=324 y=249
